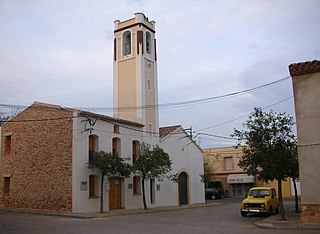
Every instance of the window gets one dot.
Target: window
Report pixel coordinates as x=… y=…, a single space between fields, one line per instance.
x=228 y=163
x=93 y=186
x=7 y=143
x=126 y=42
x=152 y=191
x=6 y=185
x=136 y=185
x=116 y=129
x=93 y=146
x=150 y=129
x=116 y=146
x=149 y=84
x=148 y=43
x=135 y=151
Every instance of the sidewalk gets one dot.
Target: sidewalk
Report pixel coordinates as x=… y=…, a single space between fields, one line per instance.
x=292 y=221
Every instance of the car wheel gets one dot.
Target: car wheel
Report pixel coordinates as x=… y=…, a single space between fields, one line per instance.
x=243 y=213
x=213 y=197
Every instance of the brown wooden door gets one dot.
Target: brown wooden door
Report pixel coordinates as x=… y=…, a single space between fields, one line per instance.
x=115 y=194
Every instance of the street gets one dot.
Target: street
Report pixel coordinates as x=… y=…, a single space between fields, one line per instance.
x=221 y=218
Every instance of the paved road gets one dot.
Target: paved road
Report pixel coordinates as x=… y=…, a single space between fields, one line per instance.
x=221 y=218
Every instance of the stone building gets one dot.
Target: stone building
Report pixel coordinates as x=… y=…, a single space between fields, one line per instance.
x=306 y=88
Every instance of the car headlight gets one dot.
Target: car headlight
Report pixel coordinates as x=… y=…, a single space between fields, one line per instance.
x=262 y=205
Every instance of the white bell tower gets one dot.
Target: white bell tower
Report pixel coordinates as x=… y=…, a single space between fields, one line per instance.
x=135 y=83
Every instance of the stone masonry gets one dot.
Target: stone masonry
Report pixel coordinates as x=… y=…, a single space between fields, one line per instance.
x=38 y=164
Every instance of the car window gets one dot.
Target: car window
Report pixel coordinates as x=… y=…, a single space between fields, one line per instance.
x=259 y=192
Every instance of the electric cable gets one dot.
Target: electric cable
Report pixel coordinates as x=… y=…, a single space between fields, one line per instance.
x=165 y=105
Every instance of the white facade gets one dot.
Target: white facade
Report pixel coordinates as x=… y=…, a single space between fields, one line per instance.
x=186 y=157
x=80 y=172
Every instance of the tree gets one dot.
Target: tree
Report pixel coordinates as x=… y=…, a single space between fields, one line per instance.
x=206 y=176
x=151 y=164
x=268 y=145
x=3 y=118
x=109 y=166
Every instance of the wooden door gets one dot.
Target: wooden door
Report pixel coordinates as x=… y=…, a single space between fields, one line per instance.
x=115 y=194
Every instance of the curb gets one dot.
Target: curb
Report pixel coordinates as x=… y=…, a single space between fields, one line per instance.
x=107 y=214
x=286 y=225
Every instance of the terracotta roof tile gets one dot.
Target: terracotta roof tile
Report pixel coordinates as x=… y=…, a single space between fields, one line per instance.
x=297 y=69
x=167 y=130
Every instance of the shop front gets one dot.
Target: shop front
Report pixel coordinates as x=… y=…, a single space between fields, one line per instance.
x=240 y=184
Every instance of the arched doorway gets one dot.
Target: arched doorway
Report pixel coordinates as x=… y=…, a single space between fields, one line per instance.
x=183 y=188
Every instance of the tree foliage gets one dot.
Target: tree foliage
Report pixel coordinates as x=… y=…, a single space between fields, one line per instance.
x=110 y=166
x=6 y=117
x=269 y=147
x=206 y=176
x=152 y=163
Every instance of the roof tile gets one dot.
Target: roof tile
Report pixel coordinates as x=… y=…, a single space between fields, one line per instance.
x=302 y=68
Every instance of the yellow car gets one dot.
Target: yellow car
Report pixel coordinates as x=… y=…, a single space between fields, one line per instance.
x=260 y=200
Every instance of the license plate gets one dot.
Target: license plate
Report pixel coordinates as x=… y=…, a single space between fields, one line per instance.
x=254 y=210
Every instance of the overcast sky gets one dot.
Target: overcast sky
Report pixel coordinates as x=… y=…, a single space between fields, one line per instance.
x=60 y=52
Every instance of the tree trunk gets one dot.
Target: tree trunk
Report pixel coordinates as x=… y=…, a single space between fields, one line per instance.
x=281 y=200
x=295 y=195
x=144 y=195
x=101 y=194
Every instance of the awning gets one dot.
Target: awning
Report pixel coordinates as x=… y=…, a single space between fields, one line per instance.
x=240 y=179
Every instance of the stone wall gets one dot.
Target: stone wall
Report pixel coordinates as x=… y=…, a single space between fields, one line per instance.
x=39 y=164
x=310 y=213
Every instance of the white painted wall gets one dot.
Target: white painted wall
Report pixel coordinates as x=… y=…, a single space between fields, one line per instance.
x=187 y=157
x=80 y=172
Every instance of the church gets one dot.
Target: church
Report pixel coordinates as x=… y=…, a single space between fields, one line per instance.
x=45 y=150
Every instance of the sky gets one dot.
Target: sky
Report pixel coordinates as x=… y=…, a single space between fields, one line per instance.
x=60 y=52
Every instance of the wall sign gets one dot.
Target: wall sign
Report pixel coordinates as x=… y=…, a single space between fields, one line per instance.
x=83 y=185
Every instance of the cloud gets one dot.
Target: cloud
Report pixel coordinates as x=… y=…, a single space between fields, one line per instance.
x=61 y=52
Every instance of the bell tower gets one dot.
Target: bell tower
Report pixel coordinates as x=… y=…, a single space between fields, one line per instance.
x=135 y=83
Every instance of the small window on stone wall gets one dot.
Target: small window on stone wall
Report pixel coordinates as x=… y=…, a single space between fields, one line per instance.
x=7 y=143
x=6 y=185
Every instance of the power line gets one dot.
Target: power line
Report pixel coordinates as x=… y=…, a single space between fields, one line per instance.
x=167 y=105
x=244 y=116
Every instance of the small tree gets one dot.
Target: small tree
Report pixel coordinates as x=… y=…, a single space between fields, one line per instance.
x=110 y=166
x=151 y=164
x=267 y=146
x=206 y=176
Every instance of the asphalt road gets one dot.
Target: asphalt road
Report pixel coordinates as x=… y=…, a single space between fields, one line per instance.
x=222 y=218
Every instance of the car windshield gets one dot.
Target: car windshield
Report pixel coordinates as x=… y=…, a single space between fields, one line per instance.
x=259 y=193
